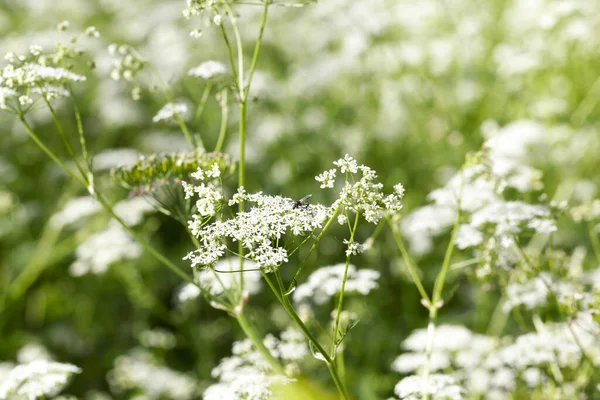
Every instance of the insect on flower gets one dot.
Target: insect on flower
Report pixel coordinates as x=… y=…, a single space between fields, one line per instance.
x=300 y=203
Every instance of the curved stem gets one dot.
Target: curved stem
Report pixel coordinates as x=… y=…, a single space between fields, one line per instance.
x=203 y=100
x=49 y=152
x=341 y=299
x=224 y=115
x=263 y=23
x=258 y=343
x=412 y=269
x=313 y=248
x=240 y=52
x=307 y=333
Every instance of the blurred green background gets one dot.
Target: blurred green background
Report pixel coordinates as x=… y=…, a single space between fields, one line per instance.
x=402 y=86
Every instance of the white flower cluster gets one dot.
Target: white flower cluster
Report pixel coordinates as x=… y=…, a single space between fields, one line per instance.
x=261 y=230
x=534 y=293
x=75 y=210
x=503 y=165
x=492 y=231
x=493 y=367
x=127 y=63
x=326 y=282
x=362 y=195
x=104 y=248
x=247 y=376
x=437 y=386
x=35 y=73
x=210 y=196
x=142 y=372
x=36 y=379
x=169 y=111
x=208 y=70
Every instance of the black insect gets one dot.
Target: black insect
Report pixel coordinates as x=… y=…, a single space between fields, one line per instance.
x=301 y=202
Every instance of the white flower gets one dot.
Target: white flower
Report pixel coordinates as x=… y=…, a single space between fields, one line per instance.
x=327 y=178
x=439 y=387
x=75 y=210
x=347 y=164
x=91 y=31
x=261 y=230
x=342 y=219
x=214 y=172
x=104 y=248
x=326 y=282
x=239 y=197
x=246 y=375
x=139 y=370
x=354 y=248
x=208 y=70
x=37 y=379
x=188 y=292
x=169 y=111
x=361 y=194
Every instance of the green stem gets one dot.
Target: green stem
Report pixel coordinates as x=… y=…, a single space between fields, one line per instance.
x=412 y=269
x=258 y=343
x=240 y=52
x=230 y=53
x=341 y=299
x=61 y=132
x=595 y=240
x=279 y=293
x=313 y=248
x=142 y=242
x=48 y=152
x=436 y=300
x=80 y=132
x=203 y=100
x=224 y=115
x=263 y=23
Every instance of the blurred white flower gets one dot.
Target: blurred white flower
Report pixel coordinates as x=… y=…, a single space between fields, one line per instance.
x=169 y=111
x=75 y=210
x=104 y=248
x=326 y=282
x=208 y=70
x=37 y=379
x=437 y=386
x=141 y=372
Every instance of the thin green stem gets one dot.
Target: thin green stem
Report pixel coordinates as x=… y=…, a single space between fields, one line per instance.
x=313 y=248
x=341 y=299
x=203 y=100
x=142 y=242
x=258 y=343
x=595 y=241
x=224 y=115
x=80 y=132
x=240 y=52
x=63 y=136
x=307 y=333
x=263 y=23
x=230 y=53
x=436 y=299
x=49 y=152
x=194 y=142
x=412 y=269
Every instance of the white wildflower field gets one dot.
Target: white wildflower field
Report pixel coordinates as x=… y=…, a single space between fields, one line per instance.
x=300 y=199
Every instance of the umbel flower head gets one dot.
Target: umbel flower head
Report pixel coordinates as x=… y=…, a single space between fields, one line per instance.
x=26 y=77
x=361 y=194
x=263 y=230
